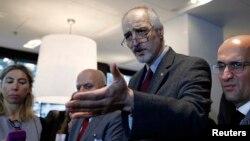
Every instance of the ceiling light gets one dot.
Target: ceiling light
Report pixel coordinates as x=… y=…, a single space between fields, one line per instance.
x=70 y=22
x=6 y=59
x=61 y=58
x=192 y=4
x=193 y=1
x=32 y=44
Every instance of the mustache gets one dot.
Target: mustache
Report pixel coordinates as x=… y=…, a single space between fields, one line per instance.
x=138 y=48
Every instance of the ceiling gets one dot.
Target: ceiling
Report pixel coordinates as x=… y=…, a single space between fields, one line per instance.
x=23 y=20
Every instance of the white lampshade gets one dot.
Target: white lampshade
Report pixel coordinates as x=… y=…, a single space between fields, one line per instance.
x=61 y=58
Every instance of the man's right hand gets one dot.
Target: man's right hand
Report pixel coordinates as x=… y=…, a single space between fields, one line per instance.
x=116 y=96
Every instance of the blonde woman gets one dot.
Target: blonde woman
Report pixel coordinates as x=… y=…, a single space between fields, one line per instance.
x=16 y=100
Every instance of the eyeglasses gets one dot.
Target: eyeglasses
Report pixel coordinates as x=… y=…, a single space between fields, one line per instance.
x=141 y=36
x=234 y=67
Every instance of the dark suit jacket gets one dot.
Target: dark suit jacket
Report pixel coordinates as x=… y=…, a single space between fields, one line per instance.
x=226 y=111
x=246 y=119
x=177 y=101
x=106 y=127
x=55 y=120
x=45 y=136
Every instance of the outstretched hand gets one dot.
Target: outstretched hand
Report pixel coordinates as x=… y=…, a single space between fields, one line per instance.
x=116 y=96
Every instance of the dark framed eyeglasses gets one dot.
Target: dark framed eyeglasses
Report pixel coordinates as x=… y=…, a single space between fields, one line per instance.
x=234 y=67
x=141 y=36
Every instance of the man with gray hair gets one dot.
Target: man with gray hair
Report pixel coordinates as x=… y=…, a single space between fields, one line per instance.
x=168 y=97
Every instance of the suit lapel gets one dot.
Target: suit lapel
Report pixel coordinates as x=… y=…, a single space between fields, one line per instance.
x=161 y=71
x=76 y=123
x=160 y=74
x=134 y=83
x=246 y=119
x=91 y=128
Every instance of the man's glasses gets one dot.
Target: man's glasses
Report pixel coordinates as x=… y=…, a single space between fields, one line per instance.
x=141 y=36
x=234 y=67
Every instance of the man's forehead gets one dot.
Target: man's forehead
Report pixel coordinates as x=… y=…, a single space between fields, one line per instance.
x=135 y=18
x=136 y=13
x=83 y=78
x=135 y=25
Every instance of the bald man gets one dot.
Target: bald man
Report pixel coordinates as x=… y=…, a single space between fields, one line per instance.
x=105 y=127
x=233 y=68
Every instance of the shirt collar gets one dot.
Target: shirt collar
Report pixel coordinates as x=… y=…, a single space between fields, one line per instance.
x=244 y=108
x=158 y=59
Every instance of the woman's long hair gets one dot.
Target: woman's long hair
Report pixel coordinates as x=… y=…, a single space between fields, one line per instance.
x=26 y=111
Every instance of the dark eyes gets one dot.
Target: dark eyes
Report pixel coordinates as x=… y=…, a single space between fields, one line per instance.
x=138 y=32
x=87 y=86
x=128 y=35
x=233 y=65
x=11 y=80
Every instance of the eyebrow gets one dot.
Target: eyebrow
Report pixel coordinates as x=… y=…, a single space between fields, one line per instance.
x=22 y=78
x=239 y=61
x=85 y=84
x=15 y=78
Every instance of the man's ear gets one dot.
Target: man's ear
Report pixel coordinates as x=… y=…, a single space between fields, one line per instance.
x=160 y=32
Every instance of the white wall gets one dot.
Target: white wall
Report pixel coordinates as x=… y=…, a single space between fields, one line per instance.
x=204 y=40
x=175 y=34
x=192 y=36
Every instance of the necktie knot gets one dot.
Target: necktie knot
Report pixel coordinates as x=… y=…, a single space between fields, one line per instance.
x=146 y=81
